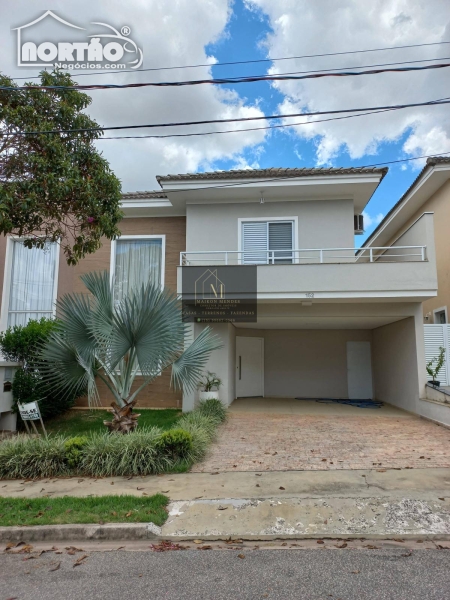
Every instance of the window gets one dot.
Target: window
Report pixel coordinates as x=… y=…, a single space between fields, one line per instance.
x=32 y=283
x=137 y=260
x=266 y=242
x=440 y=316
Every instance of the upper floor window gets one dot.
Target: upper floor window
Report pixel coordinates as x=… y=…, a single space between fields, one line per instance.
x=30 y=283
x=137 y=260
x=267 y=242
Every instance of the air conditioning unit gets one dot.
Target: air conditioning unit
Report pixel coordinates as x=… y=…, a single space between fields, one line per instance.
x=359 y=224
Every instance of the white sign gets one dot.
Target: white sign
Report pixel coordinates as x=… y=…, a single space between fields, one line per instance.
x=60 y=44
x=30 y=411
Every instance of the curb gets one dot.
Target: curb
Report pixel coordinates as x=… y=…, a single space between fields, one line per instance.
x=132 y=532
x=79 y=533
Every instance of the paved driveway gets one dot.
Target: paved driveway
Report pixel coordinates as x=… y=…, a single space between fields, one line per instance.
x=319 y=440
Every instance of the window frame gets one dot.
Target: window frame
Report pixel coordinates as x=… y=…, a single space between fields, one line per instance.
x=136 y=237
x=293 y=220
x=440 y=310
x=6 y=292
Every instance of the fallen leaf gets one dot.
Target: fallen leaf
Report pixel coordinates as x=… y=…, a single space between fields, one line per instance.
x=257 y=485
x=138 y=488
x=325 y=522
x=129 y=513
x=370 y=547
x=112 y=483
x=241 y=555
x=216 y=473
x=284 y=544
x=441 y=498
x=343 y=545
x=56 y=567
x=281 y=487
x=222 y=508
x=324 y=460
x=204 y=548
x=165 y=491
x=356 y=572
x=320 y=542
x=397 y=540
x=258 y=474
x=80 y=560
x=198 y=541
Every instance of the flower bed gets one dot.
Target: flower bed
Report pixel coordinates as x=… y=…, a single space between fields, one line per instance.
x=143 y=452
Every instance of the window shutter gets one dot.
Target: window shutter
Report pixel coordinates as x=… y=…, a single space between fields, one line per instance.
x=280 y=239
x=254 y=242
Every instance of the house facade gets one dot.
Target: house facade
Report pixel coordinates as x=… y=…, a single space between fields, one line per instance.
x=332 y=322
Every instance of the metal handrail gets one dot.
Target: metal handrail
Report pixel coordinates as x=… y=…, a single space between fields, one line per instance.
x=277 y=256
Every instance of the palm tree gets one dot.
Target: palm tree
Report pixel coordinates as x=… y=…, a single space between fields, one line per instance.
x=140 y=335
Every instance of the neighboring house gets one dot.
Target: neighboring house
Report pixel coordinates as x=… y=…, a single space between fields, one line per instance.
x=332 y=321
x=429 y=194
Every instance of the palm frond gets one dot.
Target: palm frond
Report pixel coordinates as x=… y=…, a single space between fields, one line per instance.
x=187 y=369
x=103 y=307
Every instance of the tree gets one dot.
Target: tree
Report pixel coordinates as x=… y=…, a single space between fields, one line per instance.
x=54 y=186
x=142 y=335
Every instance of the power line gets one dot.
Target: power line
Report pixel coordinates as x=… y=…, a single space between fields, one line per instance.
x=176 y=135
x=237 y=120
x=223 y=81
x=274 y=179
x=256 y=61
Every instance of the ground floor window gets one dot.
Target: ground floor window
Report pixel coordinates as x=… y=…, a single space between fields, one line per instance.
x=32 y=283
x=137 y=260
x=440 y=316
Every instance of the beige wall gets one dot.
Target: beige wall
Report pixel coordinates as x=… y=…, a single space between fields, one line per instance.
x=321 y=224
x=439 y=203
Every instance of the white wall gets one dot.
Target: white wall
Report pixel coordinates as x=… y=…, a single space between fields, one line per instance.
x=306 y=362
x=321 y=223
x=398 y=362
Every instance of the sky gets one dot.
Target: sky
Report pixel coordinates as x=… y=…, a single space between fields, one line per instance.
x=191 y=32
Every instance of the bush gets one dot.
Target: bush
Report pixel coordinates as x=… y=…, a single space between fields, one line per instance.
x=137 y=453
x=213 y=408
x=22 y=344
x=175 y=443
x=30 y=458
x=74 y=450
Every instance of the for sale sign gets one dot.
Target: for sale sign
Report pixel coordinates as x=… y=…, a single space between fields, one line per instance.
x=30 y=411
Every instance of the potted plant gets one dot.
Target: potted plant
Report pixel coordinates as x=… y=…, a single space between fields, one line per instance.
x=209 y=386
x=433 y=371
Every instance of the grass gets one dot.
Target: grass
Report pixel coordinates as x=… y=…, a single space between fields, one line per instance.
x=82 y=422
x=69 y=510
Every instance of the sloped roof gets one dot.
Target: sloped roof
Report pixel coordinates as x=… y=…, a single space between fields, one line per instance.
x=270 y=173
x=144 y=195
x=431 y=162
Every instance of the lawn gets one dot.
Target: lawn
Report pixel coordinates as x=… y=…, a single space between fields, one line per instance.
x=81 y=422
x=68 y=510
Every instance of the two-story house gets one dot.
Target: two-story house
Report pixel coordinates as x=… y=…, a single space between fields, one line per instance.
x=332 y=321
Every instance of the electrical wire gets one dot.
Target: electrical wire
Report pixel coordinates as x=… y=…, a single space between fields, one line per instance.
x=255 y=61
x=222 y=81
x=235 y=120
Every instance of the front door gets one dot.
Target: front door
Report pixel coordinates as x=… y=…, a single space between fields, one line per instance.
x=359 y=371
x=249 y=367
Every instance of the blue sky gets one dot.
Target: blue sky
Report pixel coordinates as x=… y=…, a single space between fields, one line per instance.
x=245 y=36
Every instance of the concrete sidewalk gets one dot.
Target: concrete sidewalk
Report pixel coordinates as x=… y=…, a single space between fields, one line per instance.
x=413 y=503
x=243 y=485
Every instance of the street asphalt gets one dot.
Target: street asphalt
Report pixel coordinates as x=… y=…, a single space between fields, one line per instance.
x=246 y=574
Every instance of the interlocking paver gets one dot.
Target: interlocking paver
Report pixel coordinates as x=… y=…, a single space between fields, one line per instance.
x=285 y=442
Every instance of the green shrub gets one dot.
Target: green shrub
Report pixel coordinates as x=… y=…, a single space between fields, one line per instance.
x=74 y=450
x=213 y=408
x=33 y=457
x=22 y=344
x=137 y=453
x=175 y=443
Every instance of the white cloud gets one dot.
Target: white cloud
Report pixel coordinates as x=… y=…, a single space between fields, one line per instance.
x=303 y=27
x=171 y=33
x=372 y=221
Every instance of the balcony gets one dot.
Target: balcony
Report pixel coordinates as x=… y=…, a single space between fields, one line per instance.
x=403 y=271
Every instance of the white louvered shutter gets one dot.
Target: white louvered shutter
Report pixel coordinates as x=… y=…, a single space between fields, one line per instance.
x=280 y=241
x=254 y=242
x=435 y=337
